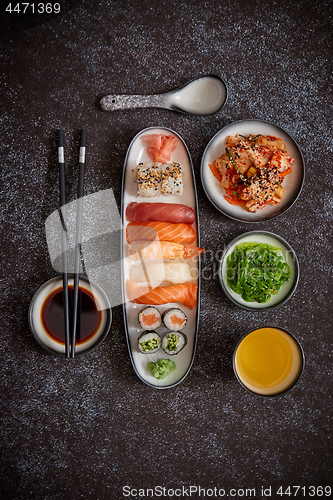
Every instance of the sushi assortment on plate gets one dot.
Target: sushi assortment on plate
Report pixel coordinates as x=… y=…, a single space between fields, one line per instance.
x=160 y=245
x=160 y=238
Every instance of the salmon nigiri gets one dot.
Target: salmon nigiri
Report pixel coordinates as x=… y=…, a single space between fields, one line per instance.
x=163 y=231
x=185 y=294
x=159 y=250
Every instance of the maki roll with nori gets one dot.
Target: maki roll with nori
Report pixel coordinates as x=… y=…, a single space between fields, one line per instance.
x=150 y=318
x=149 y=342
x=173 y=342
x=174 y=319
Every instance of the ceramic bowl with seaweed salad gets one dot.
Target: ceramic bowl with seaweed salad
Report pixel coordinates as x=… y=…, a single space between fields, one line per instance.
x=259 y=270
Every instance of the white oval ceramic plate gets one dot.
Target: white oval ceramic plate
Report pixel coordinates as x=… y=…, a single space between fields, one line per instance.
x=285 y=291
x=137 y=153
x=292 y=184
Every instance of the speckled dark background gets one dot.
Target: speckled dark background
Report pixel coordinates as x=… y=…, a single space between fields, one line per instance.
x=88 y=427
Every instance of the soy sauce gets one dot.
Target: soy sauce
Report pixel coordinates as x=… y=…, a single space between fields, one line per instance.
x=53 y=320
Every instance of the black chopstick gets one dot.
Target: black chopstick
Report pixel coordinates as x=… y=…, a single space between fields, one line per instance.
x=61 y=163
x=83 y=141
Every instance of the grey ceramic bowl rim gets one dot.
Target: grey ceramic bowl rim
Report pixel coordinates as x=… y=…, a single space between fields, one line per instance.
x=240 y=219
x=93 y=346
x=272 y=396
x=268 y=308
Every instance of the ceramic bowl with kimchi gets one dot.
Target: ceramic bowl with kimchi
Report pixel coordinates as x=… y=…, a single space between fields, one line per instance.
x=252 y=171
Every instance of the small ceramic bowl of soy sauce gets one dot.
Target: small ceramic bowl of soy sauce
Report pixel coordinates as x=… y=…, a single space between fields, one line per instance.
x=46 y=316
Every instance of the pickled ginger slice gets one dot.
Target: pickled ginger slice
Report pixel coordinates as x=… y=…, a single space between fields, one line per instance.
x=160 y=146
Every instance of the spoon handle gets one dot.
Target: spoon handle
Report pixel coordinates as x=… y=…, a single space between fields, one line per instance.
x=117 y=102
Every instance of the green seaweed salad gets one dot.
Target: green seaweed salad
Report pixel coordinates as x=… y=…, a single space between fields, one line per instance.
x=256 y=271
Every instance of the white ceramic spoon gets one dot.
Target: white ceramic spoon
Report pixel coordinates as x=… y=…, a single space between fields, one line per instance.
x=203 y=96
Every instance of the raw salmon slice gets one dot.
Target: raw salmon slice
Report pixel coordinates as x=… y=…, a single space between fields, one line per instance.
x=162 y=231
x=185 y=294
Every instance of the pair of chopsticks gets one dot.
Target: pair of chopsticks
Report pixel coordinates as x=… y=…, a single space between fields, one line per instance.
x=70 y=340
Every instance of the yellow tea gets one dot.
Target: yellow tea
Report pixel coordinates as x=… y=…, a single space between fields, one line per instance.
x=268 y=361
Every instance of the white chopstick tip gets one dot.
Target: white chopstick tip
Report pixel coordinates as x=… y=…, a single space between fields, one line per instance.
x=82 y=156
x=61 y=157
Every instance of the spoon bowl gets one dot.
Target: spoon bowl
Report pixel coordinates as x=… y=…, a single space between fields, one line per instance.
x=203 y=96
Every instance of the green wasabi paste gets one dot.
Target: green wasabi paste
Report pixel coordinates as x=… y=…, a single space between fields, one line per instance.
x=161 y=368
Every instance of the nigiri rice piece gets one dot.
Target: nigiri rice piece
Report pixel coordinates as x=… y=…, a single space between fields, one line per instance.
x=171 y=179
x=148 y=177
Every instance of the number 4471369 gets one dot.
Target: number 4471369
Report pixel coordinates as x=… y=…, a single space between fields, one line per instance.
x=305 y=491
x=39 y=8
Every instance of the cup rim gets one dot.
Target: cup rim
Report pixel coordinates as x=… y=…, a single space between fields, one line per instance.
x=100 y=339
x=279 y=394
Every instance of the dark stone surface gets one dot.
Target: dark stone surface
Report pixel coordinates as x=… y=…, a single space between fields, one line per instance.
x=88 y=427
